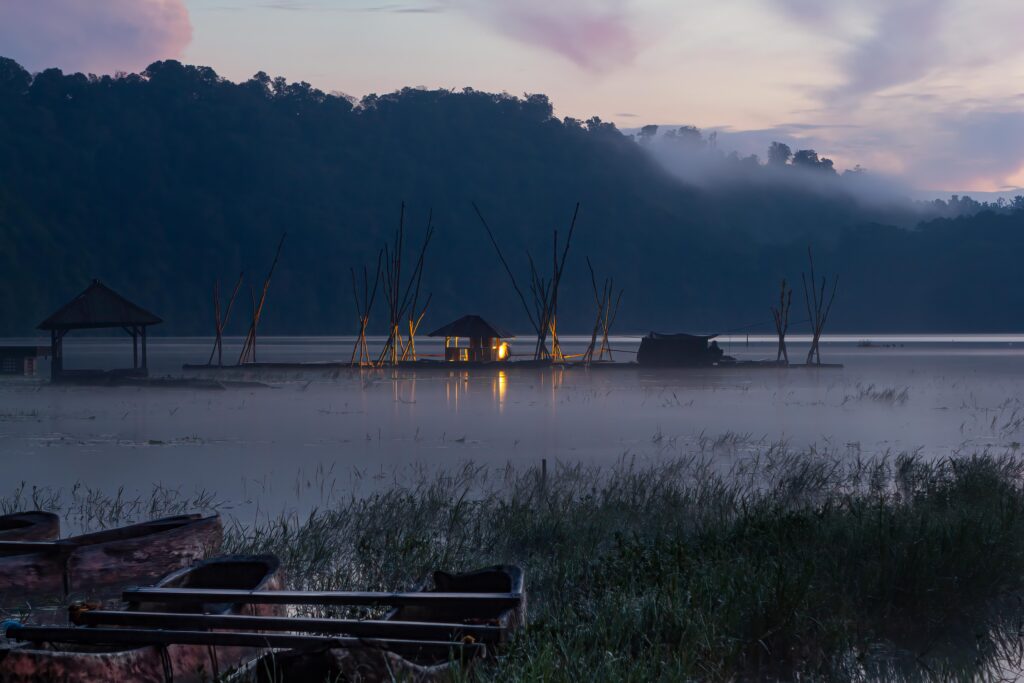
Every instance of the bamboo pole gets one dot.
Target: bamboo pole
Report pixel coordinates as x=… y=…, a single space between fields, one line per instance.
x=781 y=317
x=221 y=322
x=125 y=636
x=817 y=308
x=249 y=347
x=291 y=597
x=362 y=628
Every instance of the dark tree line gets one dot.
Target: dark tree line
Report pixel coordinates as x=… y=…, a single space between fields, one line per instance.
x=163 y=181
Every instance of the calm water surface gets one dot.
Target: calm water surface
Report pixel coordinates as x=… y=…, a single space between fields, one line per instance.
x=309 y=436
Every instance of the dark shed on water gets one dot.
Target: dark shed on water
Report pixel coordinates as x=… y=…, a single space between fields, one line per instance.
x=484 y=340
x=679 y=350
x=98 y=307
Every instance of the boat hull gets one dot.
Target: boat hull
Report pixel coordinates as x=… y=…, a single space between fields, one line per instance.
x=29 y=526
x=156 y=664
x=99 y=565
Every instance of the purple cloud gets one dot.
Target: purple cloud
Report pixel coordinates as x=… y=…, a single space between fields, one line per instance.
x=597 y=35
x=100 y=36
x=905 y=46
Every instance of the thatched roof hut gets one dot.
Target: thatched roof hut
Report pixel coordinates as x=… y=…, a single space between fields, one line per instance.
x=484 y=341
x=98 y=307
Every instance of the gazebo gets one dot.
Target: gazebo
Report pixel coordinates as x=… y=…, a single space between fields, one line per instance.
x=484 y=341
x=98 y=307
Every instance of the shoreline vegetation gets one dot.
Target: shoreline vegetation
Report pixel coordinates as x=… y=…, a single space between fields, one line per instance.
x=781 y=565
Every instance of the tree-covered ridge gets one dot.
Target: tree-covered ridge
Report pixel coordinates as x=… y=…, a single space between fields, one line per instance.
x=161 y=182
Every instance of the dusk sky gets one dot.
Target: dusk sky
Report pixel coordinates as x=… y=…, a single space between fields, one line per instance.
x=929 y=90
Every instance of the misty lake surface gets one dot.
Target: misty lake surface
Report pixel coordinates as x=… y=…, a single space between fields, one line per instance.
x=310 y=436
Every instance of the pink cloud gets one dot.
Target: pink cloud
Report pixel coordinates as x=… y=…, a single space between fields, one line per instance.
x=597 y=35
x=99 y=36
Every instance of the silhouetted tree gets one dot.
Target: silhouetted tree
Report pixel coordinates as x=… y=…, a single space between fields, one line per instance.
x=160 y=182
x=779 y=154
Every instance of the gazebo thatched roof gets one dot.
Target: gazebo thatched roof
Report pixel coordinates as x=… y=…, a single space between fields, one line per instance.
x=96 y=307
x=470 y=326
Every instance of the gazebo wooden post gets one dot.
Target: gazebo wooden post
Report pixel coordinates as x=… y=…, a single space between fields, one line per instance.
x=135 y=347
x=56 y=354
x=145 y=359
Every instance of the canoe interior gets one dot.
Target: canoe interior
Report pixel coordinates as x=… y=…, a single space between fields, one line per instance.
x=498 y=579
x=373 y=665
x=363 y=664
x=230 y=572
x=29 y=526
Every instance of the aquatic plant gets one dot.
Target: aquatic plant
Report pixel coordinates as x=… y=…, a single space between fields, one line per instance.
x=783 y=565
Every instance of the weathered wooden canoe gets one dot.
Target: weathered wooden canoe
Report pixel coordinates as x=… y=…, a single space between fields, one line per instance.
x=99 y=564
x=378 y=662
x=29 y=526
x=80 y=663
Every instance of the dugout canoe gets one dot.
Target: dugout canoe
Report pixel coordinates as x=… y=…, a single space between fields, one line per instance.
x=29 y=526
x=96 y=663
x=377 y=662
x=99 y=564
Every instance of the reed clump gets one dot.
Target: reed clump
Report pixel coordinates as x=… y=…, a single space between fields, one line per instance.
x=781 y=566
x=784 y=565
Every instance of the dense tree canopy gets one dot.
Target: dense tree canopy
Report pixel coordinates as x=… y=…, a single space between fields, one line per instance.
x=161 y=182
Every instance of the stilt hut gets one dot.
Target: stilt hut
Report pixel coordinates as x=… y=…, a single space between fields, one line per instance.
x=471 y=339
x=98 y=307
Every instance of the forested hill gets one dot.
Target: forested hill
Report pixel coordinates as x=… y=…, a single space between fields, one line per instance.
x=161 y=182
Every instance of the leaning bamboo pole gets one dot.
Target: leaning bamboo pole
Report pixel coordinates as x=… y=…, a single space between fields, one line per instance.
x=364 y=305
x=402 y=301
x=606 y=312
x=220 y=322
x=248 y=354
x=817 y=308
x=780 y=316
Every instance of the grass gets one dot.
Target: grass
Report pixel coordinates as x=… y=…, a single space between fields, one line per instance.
x=784 y=566
x=885 y=395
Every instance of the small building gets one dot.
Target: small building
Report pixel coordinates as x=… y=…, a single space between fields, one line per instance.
x=98 y=307
x=679 y=350
x=471 y=339
x=21 y=360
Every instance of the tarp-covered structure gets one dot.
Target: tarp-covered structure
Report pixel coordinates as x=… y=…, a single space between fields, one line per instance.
x=679 y=350
x=98 y=307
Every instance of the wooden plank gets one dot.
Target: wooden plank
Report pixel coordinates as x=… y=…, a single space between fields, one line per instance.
x=124 y=636
x=13 y=547
x=213 y=595
x=362 y=628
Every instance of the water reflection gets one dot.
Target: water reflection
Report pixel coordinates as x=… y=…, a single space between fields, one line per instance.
x=499 y=387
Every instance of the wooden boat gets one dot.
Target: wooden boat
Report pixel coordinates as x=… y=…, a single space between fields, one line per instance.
x=95 y=663
x=99 y=564
x=379 y=661
x=29 y=526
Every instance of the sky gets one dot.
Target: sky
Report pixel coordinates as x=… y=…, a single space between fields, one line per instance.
x=928 y=91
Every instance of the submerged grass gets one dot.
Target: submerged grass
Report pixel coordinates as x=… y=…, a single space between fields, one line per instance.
x=784 y=566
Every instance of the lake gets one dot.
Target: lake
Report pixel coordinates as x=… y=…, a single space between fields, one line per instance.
x=308 y=437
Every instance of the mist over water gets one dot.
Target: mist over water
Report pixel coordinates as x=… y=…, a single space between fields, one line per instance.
x=309 y=436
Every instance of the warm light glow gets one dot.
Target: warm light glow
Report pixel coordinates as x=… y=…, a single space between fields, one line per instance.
x=503 y=351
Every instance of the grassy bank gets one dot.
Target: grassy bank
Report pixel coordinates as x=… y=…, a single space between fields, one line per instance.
x=785 y=565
